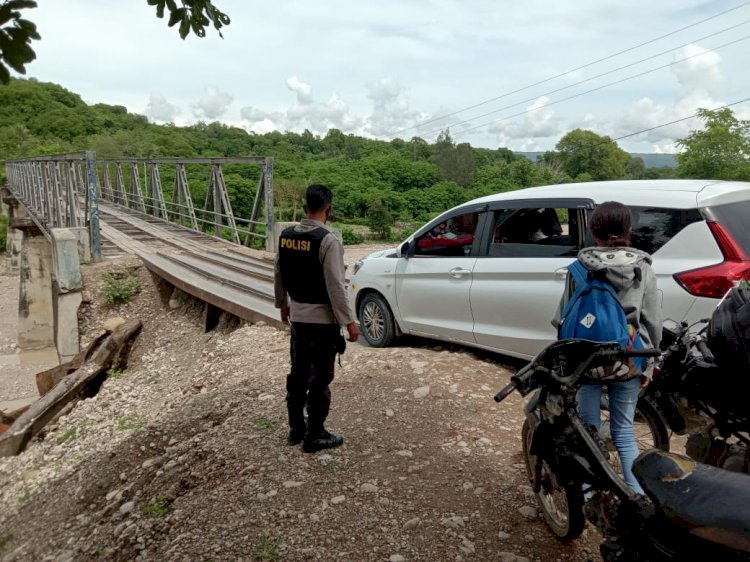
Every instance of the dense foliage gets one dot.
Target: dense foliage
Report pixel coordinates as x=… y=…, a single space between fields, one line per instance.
x=720 y=151
x=374 y=181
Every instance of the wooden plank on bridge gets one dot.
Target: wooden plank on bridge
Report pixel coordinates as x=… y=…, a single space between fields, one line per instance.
x=174 y=257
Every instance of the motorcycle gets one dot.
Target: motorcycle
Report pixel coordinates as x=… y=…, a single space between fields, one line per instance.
x=569 y=472
x=697 y=397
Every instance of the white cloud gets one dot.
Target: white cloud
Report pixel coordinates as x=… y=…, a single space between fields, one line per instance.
x=253 y=114
x=303 y=91
x=305 y=113
x=213 y=104
x=595 y=123
x=390 y=108
x=539 y=122
x=261 y=121
x=700 y=79
x=699 y=74
x=262 y=126
x=159 y=109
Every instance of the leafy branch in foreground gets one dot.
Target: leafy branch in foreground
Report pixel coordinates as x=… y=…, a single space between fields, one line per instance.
x=192 y=15
x=16 y=34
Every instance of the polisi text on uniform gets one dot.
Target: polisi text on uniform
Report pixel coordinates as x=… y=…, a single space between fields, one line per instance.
x=303 y=245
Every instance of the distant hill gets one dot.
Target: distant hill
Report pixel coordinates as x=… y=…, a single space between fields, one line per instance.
x=651 y=160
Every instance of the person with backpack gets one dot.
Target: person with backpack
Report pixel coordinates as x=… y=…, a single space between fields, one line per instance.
x=611 y=295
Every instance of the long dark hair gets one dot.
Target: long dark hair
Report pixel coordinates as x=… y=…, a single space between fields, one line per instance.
x=612 y=223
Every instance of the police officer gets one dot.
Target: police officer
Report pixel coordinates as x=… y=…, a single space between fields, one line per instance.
x=310 y=291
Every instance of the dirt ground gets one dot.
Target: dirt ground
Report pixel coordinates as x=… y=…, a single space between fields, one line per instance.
x=183 y=456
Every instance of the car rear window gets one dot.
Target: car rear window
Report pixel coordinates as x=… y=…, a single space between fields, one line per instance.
x=655 y=226
x=734 y=218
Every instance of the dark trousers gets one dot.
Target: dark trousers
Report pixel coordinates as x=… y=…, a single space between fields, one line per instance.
x=313 y=352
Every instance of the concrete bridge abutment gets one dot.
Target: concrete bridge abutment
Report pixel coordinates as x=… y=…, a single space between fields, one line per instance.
x=50 y=292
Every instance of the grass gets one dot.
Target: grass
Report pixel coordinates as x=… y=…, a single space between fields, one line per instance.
x=120 y=286
x=4 y=542
x=69 y=435
x=115 y=374
x=3 y=231
x=265 y=423
x=267 y=549
x=157 y=508
x=124 y=424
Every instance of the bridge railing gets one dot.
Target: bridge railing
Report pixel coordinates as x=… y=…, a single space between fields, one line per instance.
x=64 y=191
x=161 y=187
x=59 y=191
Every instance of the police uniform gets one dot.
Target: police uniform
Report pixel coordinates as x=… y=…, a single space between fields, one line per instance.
x=310 y=277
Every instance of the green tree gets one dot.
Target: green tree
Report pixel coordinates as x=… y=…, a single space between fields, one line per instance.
x=289 y=193
x=379 y=219
x=661 y=173
x=419 y=148
x=17 y=33
x=584 y=153
x=720 y=151
x=456 y=162
x=636 y=168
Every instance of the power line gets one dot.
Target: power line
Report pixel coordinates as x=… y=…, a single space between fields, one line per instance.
x=604 y=85
x=527 y=100
x=694 y=115
x=572 y=70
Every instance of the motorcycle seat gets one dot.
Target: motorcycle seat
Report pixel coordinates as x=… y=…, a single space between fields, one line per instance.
x=709 y=502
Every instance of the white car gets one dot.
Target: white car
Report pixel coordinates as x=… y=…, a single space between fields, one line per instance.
x=490 y=273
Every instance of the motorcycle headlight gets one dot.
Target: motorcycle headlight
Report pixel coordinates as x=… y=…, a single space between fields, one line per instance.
x=357 y=266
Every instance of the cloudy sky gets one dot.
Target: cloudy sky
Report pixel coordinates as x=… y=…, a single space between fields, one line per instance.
x=400 y=68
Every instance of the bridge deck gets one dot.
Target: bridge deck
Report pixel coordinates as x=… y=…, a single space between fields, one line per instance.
x=230 y=277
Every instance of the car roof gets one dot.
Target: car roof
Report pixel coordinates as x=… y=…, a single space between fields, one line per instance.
x=678 y=194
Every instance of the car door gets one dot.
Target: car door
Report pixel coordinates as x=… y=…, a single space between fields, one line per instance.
x=520 y=272
x=433 y=284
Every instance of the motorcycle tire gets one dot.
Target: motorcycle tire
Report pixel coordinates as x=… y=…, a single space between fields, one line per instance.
x=561 y=505
x=648 y=410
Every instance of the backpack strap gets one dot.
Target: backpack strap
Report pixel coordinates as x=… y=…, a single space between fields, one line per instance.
x=580 y=274
x=580 y=277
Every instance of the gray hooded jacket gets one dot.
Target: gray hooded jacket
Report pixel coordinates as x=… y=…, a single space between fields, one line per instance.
x=629 y=271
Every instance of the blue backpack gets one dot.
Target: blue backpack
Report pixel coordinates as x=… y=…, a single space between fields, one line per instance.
x=594 y=313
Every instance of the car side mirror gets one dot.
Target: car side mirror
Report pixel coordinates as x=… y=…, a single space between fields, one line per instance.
x=407 y=249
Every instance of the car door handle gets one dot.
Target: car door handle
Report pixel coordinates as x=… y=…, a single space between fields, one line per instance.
x=459 y=272
x=561 y=273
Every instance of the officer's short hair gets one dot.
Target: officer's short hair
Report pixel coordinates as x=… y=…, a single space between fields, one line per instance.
x=317 y=197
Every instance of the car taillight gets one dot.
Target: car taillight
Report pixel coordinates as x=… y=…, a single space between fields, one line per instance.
x=715 y=280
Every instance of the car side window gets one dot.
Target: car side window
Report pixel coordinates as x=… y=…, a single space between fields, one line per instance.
x=451 y=237
x=537 y=232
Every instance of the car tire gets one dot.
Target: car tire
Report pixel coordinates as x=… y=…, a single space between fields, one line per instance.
x=376 y=320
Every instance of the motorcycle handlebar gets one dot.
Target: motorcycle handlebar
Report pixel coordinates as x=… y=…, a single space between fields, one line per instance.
x=505 y=392
x=631 y=353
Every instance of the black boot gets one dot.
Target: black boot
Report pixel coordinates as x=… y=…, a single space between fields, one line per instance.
x=296 y=435
x=319 y=440
x=297 y=420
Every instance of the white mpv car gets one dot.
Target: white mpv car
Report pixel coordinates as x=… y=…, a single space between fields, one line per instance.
x=490 y=273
